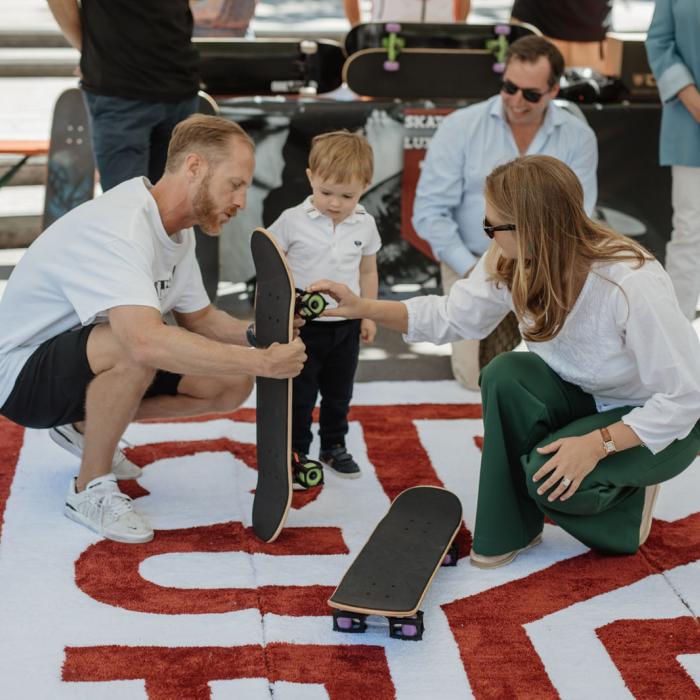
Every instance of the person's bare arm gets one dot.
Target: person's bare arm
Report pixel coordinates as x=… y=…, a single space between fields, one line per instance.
x=462 y=8
x=369 y=277
x=392 y=314
x=150 y=342
x=214 y=324
x=352 y=11
x=67 y=16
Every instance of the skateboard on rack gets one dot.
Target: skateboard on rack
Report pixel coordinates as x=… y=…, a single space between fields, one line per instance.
x=428 y=35
x=71 y=166
x=397 y=565
x=270 y=66
x=276 y=301
x=420 y=61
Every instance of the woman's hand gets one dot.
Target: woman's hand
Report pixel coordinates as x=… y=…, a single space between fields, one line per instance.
x=574 y=458
x=368 y=329
x=349 y=304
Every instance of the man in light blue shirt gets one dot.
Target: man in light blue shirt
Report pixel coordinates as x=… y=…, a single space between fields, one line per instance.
x=673 y=46
x=470 y=142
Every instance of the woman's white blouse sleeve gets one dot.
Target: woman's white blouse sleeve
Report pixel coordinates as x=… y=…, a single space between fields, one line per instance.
x=667 y=353
x=474 y=307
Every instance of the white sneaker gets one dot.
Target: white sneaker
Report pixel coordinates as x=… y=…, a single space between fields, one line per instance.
x=70 y=439
x=103 y=508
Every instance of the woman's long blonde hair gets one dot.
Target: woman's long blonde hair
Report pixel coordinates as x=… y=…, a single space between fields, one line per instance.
x=556 y=242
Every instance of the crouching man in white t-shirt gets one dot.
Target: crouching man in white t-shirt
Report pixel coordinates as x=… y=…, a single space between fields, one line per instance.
x=83 y=346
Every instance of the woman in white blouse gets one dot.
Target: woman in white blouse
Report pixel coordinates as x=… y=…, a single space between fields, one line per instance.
x=604 y=407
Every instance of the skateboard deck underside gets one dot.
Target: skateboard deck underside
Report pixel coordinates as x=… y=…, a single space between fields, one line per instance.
x=274 y=312
x=429 y=35
x=243 y=67
x=71 y=167
x=423 y=74
x=396 y=566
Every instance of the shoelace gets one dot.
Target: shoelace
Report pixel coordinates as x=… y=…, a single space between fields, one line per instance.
x=114 y=503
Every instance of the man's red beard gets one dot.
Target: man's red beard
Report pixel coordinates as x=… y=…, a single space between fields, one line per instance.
x=205 y=211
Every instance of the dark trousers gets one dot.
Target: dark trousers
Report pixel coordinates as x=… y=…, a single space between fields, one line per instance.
x=130 y=137
x=333 y=349
x=526 y=405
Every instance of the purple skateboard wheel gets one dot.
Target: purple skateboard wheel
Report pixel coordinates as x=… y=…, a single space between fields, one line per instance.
x=502 y=29
x=409 y=630
x=391 y=66
x=499 y=68
x=393 y=27
x=345 y=623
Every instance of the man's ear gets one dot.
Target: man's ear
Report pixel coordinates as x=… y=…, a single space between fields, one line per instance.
x=554 y=90
x=194 y=164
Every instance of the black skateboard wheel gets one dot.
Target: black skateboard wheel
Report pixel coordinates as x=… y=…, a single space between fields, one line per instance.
x=308 y=473
x=452 y=556
x=310 y=305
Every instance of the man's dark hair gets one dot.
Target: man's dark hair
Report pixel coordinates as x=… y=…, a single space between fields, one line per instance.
x=530 y=48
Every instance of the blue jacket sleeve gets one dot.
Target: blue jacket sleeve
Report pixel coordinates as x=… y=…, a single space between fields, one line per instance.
x=667 y=64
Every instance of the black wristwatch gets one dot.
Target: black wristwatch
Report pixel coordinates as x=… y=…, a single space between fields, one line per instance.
x=250 y=336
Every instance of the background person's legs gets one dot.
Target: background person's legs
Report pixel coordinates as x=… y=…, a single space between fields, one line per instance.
x=683 y=250
x=172 y=114
x=465 y=353
x=121 y=136
x=470 y=356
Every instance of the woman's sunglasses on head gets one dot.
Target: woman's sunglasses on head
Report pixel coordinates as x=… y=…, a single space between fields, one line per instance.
x=489 y=229
x=529 y=94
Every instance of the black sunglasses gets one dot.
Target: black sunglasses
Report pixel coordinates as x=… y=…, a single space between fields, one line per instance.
x=489 y=230
x=529 y=94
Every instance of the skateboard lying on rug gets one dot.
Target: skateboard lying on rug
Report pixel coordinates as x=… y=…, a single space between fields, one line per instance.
x=395 y=568
x=70 y=179
x=276 y=301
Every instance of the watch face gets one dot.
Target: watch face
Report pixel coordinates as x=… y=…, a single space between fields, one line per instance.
x=609 y=446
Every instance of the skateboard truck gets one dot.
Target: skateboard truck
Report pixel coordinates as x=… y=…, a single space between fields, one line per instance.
x=307 y=473
x=410 y=628
x=499 y=46
x=393 y=44
x=309 y=305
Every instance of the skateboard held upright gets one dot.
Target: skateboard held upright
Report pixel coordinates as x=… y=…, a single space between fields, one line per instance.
x=71 y=165
x=397 y=565
x=276 y=301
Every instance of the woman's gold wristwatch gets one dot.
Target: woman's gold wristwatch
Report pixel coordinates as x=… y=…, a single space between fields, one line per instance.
x=608 y=442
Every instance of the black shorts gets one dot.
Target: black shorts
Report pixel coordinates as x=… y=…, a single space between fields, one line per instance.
x=50 y=389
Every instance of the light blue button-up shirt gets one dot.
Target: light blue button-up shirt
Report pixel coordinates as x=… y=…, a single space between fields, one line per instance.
x=468 y=145
x=673 y=47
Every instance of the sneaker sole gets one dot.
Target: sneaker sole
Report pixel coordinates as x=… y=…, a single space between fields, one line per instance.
x=62 y=441
x=508 y=559
x=123 y=476
x=343 y=475
x=76 y=517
